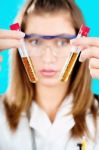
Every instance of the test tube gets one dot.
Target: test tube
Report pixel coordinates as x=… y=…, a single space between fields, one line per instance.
x=73 y=55
x=84 y=144
x=27 y=62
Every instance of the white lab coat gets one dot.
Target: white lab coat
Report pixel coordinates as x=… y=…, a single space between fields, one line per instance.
x=41 y=133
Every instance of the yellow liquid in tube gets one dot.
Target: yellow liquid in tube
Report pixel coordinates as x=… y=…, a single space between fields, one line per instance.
x=29 y=69
x=68 y=67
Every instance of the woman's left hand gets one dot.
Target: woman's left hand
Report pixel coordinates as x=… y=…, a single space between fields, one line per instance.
x=89 y=50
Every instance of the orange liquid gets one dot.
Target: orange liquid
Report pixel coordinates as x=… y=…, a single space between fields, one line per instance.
x=29 y=69
x=67 y=71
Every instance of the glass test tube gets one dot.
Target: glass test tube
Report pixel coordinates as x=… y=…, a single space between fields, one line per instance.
x=74 y=53
x=29 y=67
x=84 y=144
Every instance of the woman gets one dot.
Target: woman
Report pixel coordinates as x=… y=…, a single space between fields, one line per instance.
x=49 y=114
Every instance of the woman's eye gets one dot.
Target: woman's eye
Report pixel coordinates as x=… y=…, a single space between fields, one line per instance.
x=62 y=42
x=35 y=42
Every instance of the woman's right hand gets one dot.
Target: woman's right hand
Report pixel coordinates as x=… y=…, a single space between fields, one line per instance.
x=10 y=39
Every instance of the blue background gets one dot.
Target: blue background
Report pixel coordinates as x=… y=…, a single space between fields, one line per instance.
x=8 y=12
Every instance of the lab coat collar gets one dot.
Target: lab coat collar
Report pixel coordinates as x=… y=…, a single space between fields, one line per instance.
x=62 y=124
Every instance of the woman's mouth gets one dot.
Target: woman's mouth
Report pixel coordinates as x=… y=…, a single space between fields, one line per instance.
x=48 y=72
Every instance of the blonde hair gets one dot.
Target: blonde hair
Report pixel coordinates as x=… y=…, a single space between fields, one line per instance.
x=21 y=92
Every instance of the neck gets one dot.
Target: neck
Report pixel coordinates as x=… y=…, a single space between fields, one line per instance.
x=50 y=98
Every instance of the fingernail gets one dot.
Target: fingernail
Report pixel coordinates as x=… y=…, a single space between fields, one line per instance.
x=22 y=34
x=81 y=59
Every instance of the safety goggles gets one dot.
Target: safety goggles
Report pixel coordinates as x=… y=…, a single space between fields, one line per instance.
x=58 y=44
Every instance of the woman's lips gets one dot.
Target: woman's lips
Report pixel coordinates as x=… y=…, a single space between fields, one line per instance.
x=48 y=72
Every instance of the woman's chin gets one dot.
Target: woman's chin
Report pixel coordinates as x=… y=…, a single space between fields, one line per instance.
x=49 y=82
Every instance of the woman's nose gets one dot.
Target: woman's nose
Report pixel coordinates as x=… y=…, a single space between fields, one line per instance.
x=48 y=55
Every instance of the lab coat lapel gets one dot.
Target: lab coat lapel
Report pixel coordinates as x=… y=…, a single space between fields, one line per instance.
x=62 y=124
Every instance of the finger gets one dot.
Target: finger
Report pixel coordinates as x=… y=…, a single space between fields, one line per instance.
x=9 y=43
x=94 y=63
x=5 y=34
x=0 y=62
x=81 y=48
x=89 y=53
x=1 y=59
x=85 y=41
x=94 y=73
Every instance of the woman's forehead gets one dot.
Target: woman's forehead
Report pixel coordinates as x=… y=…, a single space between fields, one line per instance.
x=49 y=24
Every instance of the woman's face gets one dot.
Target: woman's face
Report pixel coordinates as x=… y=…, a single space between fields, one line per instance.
x=49 y=64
